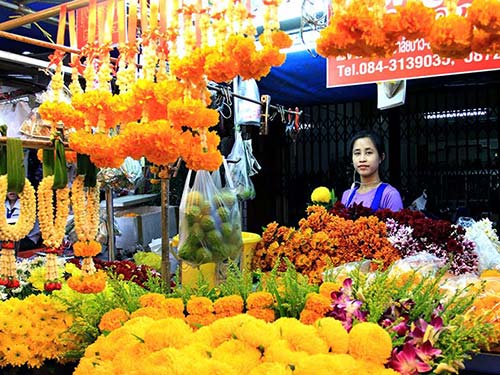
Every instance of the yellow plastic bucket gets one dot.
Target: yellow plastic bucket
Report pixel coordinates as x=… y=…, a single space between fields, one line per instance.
x=250 y=241
x=210 y=271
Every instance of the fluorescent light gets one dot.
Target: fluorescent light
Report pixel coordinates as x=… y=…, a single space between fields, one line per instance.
x=472 y=112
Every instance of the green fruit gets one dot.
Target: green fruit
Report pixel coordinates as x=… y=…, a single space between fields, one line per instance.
x=206 y=208
x=228 y=197
x=213 y=239
x=196 y=232
x=224 y=213
x=247 y=194
x=186 y=252
x=193 y=214
x=203 y=255
x=194 y=198
x=220 y=253
x=207 y=223
x=226 y=229
x=234 y=251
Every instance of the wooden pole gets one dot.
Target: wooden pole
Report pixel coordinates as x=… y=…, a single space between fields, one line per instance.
x=43 y=14
x=36 y=143
x=165 y=238
x=36 y=42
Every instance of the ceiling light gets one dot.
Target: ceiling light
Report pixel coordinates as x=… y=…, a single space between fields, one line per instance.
x=471 y=112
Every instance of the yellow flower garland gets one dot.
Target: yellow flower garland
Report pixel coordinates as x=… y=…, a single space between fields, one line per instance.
x=52 y=230
x=27 y=213
x=86 y=209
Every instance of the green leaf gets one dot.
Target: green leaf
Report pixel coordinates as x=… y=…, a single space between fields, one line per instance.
x=48 y=162
x=15 y=165
x=60 y=169
x=3 y=151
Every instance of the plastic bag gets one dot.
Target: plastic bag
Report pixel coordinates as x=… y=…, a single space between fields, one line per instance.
x=238 y=169
x=253 y=165
x=209 y=225
x=246 y=112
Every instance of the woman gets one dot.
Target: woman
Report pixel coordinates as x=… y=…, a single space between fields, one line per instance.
x=367 y=155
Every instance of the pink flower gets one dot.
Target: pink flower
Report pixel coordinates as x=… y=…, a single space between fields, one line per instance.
x=406 y=361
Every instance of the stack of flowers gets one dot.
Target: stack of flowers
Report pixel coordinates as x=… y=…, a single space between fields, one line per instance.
x=368 y=28
x=239 y=344
x=322 y=240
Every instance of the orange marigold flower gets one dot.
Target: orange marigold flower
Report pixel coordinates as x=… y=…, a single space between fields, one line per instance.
x=113 y=319
x=318 y=303
x=156 y=300
x=416 y=19
x=87 y=284
x=484 y=14
x=150 y=312
x=199 y=306
x=258 y=300
x=309 y=317
x=267 y=315
x=228 y=306
x=87 y=248
x=451 y=36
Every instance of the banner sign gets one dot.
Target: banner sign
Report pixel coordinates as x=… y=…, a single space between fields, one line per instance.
x=412 y=59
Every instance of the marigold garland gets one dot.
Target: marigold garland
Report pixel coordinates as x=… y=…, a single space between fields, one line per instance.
x=451 y=36
x=88 y=284
x=87 y=248
x=85 y=203
x=484 y=14
x=52 y=230
x=27 y=212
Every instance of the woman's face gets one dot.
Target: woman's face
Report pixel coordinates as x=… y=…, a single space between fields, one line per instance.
x=365 y=157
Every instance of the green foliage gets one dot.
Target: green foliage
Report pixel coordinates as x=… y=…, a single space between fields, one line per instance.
x=290 y=289
x=236 y=282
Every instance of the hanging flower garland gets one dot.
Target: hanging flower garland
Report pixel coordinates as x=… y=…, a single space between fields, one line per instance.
x=85 y=205
x=451 y=35
x=27 y=212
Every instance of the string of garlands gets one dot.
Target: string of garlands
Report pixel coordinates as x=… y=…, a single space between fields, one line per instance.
x=12 y=179
x=365 y=28
x=163 y=114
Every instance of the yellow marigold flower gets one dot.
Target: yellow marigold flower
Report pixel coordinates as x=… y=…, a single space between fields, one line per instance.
x=334 y=334
x=168 y=332
x=198 y=320
x=271 y=368
x=300 y=336
x=326 y=364
x=228 y=306
x=113 y=319
x=149 y=311
x=240 y=355
x=327 y=288
x=371 y=342
x=257 y=333
x=281 y=352
x=490 y=273
x=199 y=305
x=259 y=300
x=321 y=195
x=266 y=315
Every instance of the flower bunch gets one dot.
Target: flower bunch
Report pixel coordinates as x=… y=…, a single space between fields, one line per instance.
x=411 y=233
x=323 y=196
x=322 y=240
x=26 y=336
x=88 y=283
x=261 y=305
x=239 y=344
x=422 y=319
x=113 y=319
x=200 y=311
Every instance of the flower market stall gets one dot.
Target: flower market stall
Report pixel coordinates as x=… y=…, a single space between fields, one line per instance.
x=347 y=290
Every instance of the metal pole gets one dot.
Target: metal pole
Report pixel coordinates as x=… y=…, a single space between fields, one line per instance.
x=110 y=221
x=165 y=238
x=43 y=14
x=25 y=10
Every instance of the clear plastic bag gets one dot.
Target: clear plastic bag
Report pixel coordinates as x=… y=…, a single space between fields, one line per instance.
x=209 y=222
x=238 y=168
x=247 y=112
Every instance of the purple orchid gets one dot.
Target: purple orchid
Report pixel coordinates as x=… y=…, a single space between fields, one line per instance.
x=407 y=362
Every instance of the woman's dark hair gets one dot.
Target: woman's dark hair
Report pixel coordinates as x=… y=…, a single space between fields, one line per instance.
x=366 y=133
